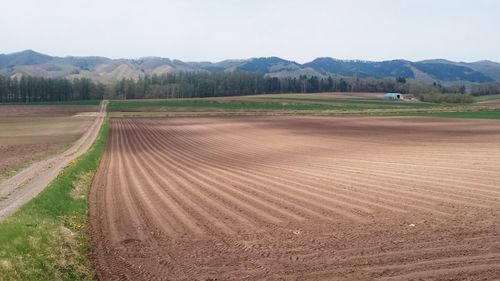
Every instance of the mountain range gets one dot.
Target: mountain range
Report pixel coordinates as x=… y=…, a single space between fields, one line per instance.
x=108 y=70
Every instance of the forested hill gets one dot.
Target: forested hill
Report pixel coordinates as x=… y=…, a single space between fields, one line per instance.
x=105 y=70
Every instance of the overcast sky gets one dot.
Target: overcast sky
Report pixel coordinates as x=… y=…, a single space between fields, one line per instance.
x=197 y=30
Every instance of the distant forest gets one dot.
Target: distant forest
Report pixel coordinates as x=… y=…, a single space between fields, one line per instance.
x=36 y=89
x=205 y=84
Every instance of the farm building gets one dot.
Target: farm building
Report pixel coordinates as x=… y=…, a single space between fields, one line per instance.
x=393 y=96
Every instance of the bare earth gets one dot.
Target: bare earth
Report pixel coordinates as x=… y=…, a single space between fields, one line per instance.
x=23 y=186
x=298 y=198
x=24 y=140
x=32 y=132
x=489 y=104
x=7 y=110
x=40 y=130
x=14 y=155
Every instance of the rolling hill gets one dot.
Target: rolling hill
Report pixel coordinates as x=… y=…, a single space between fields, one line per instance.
x=108 y=70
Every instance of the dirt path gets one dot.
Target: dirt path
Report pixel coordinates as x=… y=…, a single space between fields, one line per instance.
x=22 y=187
x=298 y=198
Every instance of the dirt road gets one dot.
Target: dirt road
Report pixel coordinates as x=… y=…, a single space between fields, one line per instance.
x=22 y=187
x=298 y=198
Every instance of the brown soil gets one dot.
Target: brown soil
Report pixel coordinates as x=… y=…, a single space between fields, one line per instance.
x=44 y=110
x=15 y=155
x=489 y=104
x=24 y=140
x=298 y=198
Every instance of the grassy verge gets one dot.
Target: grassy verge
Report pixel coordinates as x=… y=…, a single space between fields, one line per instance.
x=45 y=239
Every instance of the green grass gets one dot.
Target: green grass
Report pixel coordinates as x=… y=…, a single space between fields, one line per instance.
x=264 y=104
x=72 y=102
x=45 y=239
x=226 y=105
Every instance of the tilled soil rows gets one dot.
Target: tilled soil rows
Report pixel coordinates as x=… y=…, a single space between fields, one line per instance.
x=298 y=198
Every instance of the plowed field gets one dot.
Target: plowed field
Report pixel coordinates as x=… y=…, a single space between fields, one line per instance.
x=298 y=198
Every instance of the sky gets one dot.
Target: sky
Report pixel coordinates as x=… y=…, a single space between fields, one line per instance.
x=197 y=30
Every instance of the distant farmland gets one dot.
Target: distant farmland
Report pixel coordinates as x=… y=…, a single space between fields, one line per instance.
x=366 y=104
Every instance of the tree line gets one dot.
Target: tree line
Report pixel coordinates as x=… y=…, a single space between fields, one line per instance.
x=485 y=89
x=206 y=84
x=37 y=89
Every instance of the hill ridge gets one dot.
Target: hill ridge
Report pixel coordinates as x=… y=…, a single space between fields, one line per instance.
x=30 y=62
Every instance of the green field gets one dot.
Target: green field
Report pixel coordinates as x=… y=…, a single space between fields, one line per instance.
x=263 y=103
x=224 y=105
x=45 y=239
x=266 y=103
